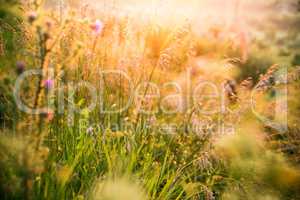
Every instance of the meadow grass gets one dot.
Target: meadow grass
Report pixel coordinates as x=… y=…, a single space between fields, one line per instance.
x=71 y=152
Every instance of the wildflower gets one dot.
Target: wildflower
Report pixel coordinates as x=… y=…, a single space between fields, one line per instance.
x=97 y=27
x=32 y=17
x=50 y=116
x=90 y=130
x=47 y=114
x=48 y=84
x=20 y=67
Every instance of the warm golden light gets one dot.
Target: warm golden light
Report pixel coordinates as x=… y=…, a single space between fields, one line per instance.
x=199 y=12
x=149 y=99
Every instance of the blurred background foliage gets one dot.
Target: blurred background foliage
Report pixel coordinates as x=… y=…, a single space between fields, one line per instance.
x=11 y=42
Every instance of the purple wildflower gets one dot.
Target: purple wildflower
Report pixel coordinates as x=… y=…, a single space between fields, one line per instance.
x=97 y=27
x=49 y=83
x=20 y=67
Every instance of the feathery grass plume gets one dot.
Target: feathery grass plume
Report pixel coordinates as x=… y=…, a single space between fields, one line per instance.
x=157 y=39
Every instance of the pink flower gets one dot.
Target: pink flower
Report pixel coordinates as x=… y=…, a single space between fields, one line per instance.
x=97 y=27
x=48 y=84
x=50 y=116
